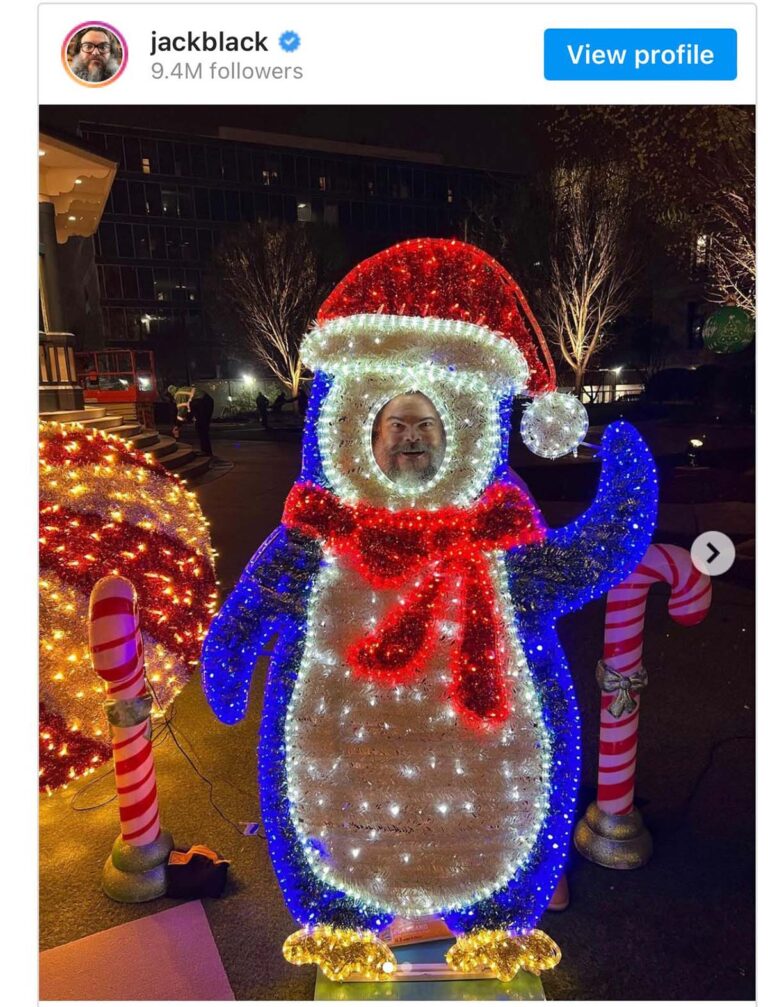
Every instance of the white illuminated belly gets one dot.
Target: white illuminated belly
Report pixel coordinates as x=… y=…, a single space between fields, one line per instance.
x=397 y=800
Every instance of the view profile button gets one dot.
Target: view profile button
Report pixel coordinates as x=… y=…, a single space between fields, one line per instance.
x=640 y=54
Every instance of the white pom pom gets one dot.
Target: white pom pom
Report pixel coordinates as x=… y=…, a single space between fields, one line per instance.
x=554 y=424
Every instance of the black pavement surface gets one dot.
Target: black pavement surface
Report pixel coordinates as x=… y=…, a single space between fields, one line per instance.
x=681 y=928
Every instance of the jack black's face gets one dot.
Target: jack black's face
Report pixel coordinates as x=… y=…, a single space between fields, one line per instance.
x=95 y=60
x=409 y=439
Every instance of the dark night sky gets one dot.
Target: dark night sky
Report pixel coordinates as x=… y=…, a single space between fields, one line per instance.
x=509 y=138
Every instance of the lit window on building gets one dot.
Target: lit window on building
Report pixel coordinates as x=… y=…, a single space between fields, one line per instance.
x=171 y=202
x=304 y=212
x=701 y=251
x=268 y=176
x=146 y=167
x=322 y=183
x=450 y=195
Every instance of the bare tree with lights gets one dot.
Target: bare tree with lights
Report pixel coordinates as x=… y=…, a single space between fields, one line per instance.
x=267 y=282
x=710 y=143
x=732 y=252
x=706 y=190
x=592 y=268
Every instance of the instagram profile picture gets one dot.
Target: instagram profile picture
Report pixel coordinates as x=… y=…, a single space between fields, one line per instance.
x=94 y=54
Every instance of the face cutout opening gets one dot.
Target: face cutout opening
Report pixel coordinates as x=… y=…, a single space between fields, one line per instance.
x=408 y=439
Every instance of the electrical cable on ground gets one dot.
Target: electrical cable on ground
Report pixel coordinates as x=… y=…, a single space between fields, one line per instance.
x=158 y=738
x=710 y=762
x=157 y=741
x=208 y=782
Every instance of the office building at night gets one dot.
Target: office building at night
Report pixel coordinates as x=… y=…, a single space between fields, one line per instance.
x=175 y=194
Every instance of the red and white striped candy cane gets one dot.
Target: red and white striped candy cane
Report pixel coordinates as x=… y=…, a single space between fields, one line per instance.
x=622 y=660
x=117 y=653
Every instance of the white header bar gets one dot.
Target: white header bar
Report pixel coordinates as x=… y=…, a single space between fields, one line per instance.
x=377 y=54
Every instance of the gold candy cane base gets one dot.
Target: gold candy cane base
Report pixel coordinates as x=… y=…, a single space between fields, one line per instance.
x=137 y=873
x=620 y=842
x=341 y=953
x=502 y=954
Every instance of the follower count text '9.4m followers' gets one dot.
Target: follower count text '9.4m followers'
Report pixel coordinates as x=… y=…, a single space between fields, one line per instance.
x=224 y=71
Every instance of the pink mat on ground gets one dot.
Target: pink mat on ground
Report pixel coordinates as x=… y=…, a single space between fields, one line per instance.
x=169 y=956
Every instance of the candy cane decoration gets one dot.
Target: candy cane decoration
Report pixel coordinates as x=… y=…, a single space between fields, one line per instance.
x=117 y=653
x=621 y=674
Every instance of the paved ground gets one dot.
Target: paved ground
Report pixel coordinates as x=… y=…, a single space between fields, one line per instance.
x=681 y=928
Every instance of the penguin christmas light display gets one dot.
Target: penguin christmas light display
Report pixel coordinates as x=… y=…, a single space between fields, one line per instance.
x=419 y=748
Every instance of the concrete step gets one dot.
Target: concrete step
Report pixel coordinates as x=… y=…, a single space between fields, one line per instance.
x=145 y=440
x=127 y=430
x=175 y=459
x=106 y=423
x=76 y=415
x=194 y=469
x=163 y=446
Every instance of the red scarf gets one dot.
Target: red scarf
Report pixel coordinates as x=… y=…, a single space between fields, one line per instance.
x=438 y=554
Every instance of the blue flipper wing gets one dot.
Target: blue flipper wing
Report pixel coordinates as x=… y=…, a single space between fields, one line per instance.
x=597 y=551
x=272 y=591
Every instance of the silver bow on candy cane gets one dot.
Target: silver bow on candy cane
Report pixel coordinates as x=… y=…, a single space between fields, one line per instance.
x=624 y=685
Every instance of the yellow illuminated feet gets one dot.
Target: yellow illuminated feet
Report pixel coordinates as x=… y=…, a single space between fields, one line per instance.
x=341 y=953
x=502 y=954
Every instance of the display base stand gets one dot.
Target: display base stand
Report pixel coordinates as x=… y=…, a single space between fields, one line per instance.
x=620 y=842
x=423 y=974
x=137 y=873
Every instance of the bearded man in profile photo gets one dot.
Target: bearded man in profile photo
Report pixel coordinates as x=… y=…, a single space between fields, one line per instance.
x=96 y=56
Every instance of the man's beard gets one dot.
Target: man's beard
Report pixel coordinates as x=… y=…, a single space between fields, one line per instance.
x=411 y=476
x=86 y=68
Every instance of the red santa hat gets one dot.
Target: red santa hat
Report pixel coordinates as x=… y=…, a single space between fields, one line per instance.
x=447 y=304
x=406 y=291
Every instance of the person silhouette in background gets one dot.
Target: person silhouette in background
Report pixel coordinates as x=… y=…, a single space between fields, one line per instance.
x=262 y=408
x=195 y=403
x=279 y=402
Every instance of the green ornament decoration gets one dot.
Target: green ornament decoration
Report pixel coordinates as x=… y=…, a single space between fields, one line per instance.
x=728 y=330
